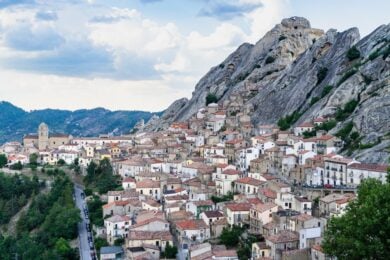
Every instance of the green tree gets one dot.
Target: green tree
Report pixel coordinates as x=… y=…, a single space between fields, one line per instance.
x=63 y=248
x=3 y=160
x=170 y=252
x=321 y=74
x=231 y=236
x=119 y=241
x=211 y=98
x=33 y=160
x=100 y=242
x=353 y=53
x=363 y=231
x=61 y=162
x=16 y=166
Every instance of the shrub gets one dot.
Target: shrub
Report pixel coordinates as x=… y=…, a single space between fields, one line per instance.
x=308 y=134
x=269 y=60
x=16 y=166
x=367 y=79
x=347 y=75
x=314 y=100
x=61 y=162
x=327 y=126
x=344 y=132
x=350 y=106
x=374 y=55
x=353 y=53
x=285 y=123
x=327 y=89
x=211 y=98
x=386 y=53
x=282 y=37
x=321 y=74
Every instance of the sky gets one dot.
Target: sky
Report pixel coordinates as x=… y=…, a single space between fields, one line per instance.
x=141 y=54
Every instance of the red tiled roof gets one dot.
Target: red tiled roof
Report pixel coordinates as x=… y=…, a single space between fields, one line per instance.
x=306 y=124
x=268 y=193
x=239 y=206
x=150 y=235
x=231 y=172
x=147 y=184
x=128 y=179
x=249 y=181
x=369 y=167
x=116 y=203
x=192 y=224
x=284 y=236
x=264 y=207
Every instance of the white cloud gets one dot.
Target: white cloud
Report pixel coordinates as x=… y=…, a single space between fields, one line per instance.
x=134 y=33
x=263 y=19
x=135 y=44
x=43 y=91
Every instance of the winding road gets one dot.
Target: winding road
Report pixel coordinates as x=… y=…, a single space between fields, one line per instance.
x=85 y=251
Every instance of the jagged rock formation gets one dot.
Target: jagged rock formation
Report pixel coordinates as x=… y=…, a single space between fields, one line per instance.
x=157 y=123
x=290 y=67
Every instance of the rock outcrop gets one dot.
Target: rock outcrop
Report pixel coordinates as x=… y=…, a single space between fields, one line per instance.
x=290 y=67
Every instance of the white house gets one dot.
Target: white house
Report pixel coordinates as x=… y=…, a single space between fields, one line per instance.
x=116 y=227
x=192 y=230
x=304 y=127
x=359 y=171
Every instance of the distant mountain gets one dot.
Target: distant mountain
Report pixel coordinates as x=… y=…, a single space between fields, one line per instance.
x=15 y=122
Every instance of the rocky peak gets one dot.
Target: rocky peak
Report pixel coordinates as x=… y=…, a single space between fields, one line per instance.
x=294 y=68
x=296 y=22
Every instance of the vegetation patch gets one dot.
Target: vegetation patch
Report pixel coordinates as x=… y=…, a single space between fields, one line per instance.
x=44 y=231
x=314 y=100
x=327 y=126
x=14 y=194
x=327 y=89
x=211 y=98
x=348 y=109
x=269 y=60
x=347 y=75
x=228 y=197
x=100 y=177
x=365 y=217
x=353 y=53
x=321 y=74
x=285 y=123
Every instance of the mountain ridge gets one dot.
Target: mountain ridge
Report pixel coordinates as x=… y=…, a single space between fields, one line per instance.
x=16 y=122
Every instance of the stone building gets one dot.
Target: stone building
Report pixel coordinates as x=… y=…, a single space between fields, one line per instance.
x=44 y=140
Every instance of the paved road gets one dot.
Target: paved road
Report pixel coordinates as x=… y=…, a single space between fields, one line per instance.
x=85 y=252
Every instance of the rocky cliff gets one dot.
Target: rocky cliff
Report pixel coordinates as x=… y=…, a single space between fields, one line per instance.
x=295 y=68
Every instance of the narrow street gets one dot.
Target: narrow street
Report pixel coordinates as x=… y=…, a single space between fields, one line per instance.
x=85 y=251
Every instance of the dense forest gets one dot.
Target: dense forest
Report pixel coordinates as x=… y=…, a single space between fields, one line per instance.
x=15 y=191
x=45 y=230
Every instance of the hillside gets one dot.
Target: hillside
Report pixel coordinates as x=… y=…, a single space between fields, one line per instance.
x=295 y=69
x=15 y=122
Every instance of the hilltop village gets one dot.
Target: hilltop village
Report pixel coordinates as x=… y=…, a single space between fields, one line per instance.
x=213 y=187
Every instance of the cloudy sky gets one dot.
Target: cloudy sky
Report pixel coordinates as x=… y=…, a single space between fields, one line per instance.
x=141 y=54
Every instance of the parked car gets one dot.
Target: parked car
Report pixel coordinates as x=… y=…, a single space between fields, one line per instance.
x=328 y=186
